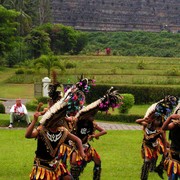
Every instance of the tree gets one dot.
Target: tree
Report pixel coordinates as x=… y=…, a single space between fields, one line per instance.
x=44 y=11
x=38 y=42
x=8 y=29
x=23 y=19
x=81 y=41
x=64 y=39
x=48 y=62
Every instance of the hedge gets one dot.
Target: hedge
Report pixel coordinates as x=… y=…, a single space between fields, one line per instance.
x=127 y=118
x=142 y=94
x=2 y=108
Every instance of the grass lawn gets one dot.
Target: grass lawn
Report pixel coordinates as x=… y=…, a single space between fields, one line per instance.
x=119 y=151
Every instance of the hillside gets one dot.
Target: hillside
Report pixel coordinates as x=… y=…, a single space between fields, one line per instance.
x=137 y=43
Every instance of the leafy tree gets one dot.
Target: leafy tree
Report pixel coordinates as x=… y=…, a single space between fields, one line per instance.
x=48 y=62
x=8 y=29
x=64 y=39
x=81 y=41
x=38 y=42
x=23 y=19
x=18 y=54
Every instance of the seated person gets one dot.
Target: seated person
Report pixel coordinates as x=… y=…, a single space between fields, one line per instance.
x=18 y=112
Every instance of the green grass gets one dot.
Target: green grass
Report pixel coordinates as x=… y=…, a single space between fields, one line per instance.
x=119 y=151
x=108 y=70
x=13 y=91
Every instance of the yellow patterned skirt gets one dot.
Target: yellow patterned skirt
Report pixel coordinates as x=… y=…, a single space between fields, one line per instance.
x=43 y=170
x=151 y=152
x=171 y=164
x=89 y=151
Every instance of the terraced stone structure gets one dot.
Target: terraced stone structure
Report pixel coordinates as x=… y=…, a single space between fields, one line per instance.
x=118 y=15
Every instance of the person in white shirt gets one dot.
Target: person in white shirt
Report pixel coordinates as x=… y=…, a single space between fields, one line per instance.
x=18 y=112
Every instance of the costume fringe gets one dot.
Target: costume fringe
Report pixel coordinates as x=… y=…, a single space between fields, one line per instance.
x=64 y=151
x=90 y=153
x=150 y=152
x=172 y=166
x=41 y=173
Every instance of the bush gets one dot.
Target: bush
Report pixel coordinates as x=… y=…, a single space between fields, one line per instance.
x=70 y=65
x=142 y=94
x=32 y=105
x=30 y=71
x=19 y=71
x=2 y=108
x=141 y=65
x=128 y=102
x=42 y=99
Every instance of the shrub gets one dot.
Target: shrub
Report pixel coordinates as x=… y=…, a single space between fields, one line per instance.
x=33 y=104
x=30 y=71
x=70 y=65
x=142 y=94
x=128 y=102
x=141 y=65
x=19 y=71
x=42 y=99
x=2 y=108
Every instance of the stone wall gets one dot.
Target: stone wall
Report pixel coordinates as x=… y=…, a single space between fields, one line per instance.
x=115 y=15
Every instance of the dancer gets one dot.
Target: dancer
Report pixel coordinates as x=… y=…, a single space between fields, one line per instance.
x=154 y=141
x=51 y=134
x=172 y=162
x=47 y=164
x=86 y=129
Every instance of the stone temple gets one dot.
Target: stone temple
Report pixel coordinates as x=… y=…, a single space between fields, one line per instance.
x=118 y=15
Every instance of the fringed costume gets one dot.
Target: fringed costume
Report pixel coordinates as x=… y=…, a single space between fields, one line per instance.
x=152 y=146
x=51 y=134
x=172 y=162
x=85 y=128
x=154 y=142
x=46 y=163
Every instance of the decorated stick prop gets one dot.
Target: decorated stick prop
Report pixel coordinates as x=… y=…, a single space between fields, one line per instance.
x=39 y=106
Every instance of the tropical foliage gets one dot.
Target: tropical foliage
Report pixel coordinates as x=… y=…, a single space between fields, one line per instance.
x=137 y=43
x=8 y=29
x=48 y=62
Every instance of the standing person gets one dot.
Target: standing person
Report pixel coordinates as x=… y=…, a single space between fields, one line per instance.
x=47 y=164
x=18 y=112
x=154 y=142
x=86 y=130
x=172 y=162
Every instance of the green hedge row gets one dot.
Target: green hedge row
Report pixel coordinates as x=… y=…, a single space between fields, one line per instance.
x=127 y=118
x=142 y=94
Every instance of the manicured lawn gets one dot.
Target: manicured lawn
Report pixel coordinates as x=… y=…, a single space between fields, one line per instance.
x=119 y=151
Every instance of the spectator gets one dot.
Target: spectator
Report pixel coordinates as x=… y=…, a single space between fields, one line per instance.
x=108 y=51
x=18 y=112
